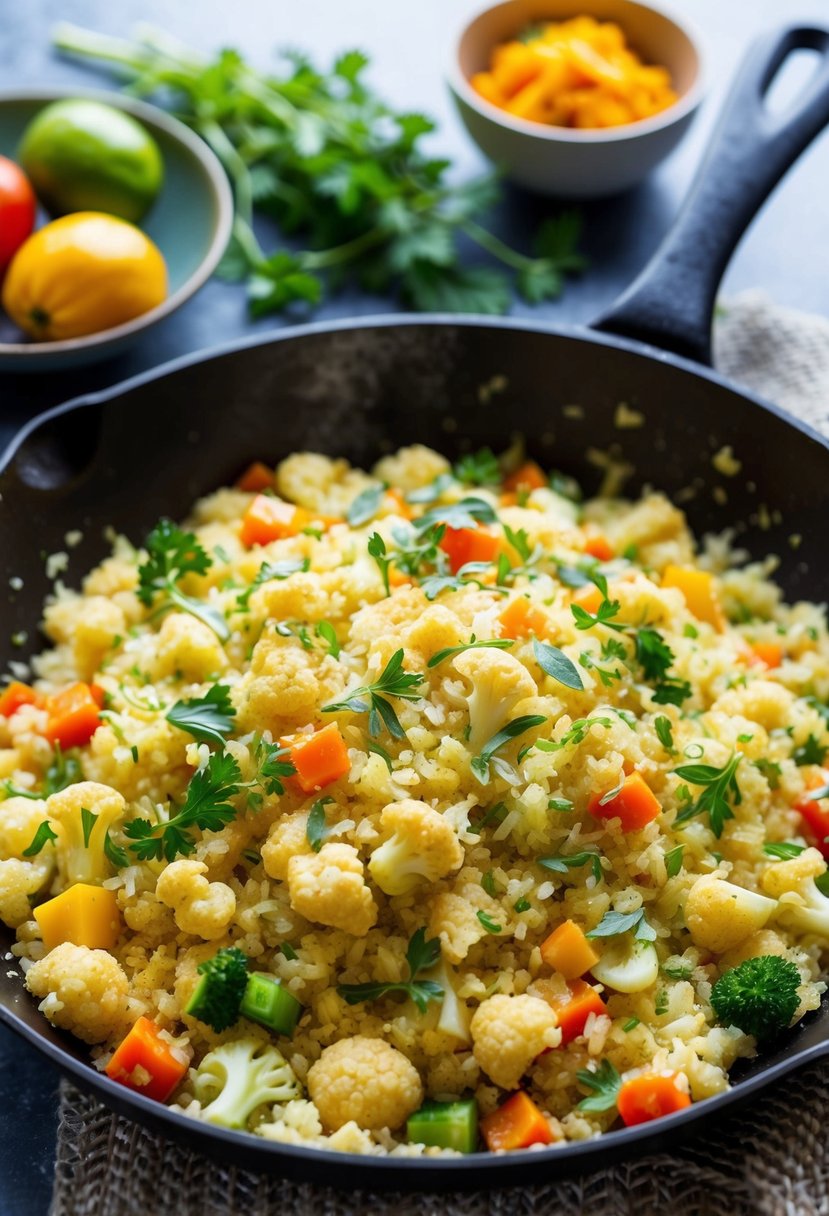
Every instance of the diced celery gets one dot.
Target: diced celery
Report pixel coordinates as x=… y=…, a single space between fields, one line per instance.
x=446 y=1125
x=266 y=1001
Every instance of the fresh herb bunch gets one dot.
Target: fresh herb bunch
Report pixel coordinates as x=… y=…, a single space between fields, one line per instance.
x=209 y=719
x=420 y=955
x=324 y=156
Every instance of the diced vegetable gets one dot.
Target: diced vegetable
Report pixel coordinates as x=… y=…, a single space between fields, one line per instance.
x=401 y=507
x=528 y=476
x=650 y=1095
x=464 y=545
x=599 y=546
x=635 y=804
x=146 y=1063
x=256 y=478
x=521 y=619
x=15 y=695
x=218 y=995
x=268 y=1002
x=82 y=914
x=269 y=519
x=574 y=1010
x=74 y=715
x=589 y=598
x=817 y=820
x=320 y=758
x=766 y=654
x=700 y=593
x=568 y=951
x=517 y=1124
x=445 y=1125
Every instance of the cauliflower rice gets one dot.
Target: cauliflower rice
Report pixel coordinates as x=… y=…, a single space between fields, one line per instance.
x=440 y=831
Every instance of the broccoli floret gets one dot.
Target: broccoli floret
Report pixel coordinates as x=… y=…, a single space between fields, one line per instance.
x=219 y=992
x=235 y=1078
x=759 y=996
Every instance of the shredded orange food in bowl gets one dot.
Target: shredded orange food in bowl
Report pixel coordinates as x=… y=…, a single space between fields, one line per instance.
x=577 y=73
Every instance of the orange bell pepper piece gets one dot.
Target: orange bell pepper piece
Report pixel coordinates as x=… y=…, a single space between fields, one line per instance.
x=82 y=914
x=145 y=1062
x=320 y=758
x=464 y=545
x=650 y=1096
x=635 y=804
x=568 y=951
x=517 y=1124
x=15 y=695
x=521 y=619
x=574 y=1009
x=268 y=519
x=528 y=476
x=700 y=593
x=74 y=715
x=256 y=477
x=766 y=654
x=599 y=546
x=589 y=598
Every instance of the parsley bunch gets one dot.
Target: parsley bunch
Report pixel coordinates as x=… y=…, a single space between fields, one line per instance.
x=322 y=154
x=420 y=955
x=372 y=698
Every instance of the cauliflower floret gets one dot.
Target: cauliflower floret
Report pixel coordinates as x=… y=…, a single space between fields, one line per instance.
x=90 y=623
x=287 y=838
x=499 y=682
x=202 y=908
x=454 y=919
x=423 y=846
x=364 y=1080
x=509 y=1032
x=412 y=467
x=189 y=647
x=85 y=991
x=802 y=905
x=319 y=483
x=329 y=887
x=80 y=856
x=436 y=628
x=235 y=1078
x=720 y=915
x=21 y=877
x=280 y=690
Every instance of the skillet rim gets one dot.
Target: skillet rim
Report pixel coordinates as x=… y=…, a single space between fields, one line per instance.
x=411 y=1174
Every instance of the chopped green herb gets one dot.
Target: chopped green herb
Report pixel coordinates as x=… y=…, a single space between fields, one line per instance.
x=678 y=971
x=288 y=951
x=615 y=923
x=561 y=864
x=88 y=821
x=172 y=554
x=316 y=828
x=660 y=1005
x=492 y=644
x=810 y=752
x=630 y=1024
x=522 y=905
x=782 y=850
x=576 y=733
x=478 y=469
x=771 y=770
x=41 y=838
x=664 y=733
x=518 y=726
x=559 y=804
x=488 y=883
x=326 y=631
x=488 y=923
x=556 y=664
x=673 y=860
x=381 y=752
x=421 y=955
x=604 y=1084
x=495 y=814
x=377 y=550
x=366 y=505
x=392 y=682
x=268 y=572
x=209 y=719
x=720 y=792
x=206 y=806
x=467 y=513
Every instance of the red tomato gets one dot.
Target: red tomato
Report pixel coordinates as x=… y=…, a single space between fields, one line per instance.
x=17 y=210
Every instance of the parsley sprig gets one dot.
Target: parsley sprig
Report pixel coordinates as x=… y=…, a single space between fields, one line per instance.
x=172 y=554
x=720 y=792
x=421 y=955
x=373 y=698
x=209 y=719
x=604 y=1084
x=268 y=572
x=206 y=806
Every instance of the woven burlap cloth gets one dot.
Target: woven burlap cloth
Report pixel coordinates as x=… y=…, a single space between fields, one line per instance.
x=769 y=1160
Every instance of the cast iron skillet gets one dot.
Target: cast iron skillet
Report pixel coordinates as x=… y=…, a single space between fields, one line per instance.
x=123 y=457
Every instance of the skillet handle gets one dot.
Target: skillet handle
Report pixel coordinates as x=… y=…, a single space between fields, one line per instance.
x=671 y=303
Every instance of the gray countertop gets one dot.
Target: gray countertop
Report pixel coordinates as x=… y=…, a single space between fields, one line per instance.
x=781 y=254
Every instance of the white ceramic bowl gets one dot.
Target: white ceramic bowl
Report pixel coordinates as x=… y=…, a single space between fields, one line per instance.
x=562 y=161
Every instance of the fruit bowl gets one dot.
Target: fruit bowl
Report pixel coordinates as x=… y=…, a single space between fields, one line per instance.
x=190 y=223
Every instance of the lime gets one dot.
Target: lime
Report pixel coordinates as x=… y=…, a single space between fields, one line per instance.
x=87 y=156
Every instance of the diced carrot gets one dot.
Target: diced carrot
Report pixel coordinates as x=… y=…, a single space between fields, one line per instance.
x=528 y=476
x=508 y=500
x=574 y=1009
x=700 y=593
x=589 y=598
x=73 y=716
x=517 y=1124
x=268 y=519
x=635 y=804
x=568 y=951
x=398 y=578
x=464 y=545
x=400 y=505
x=599 y=546
x=815 y=815
x=82 y=914
x=98 y=695
x=521 y=619
x=650 y=1095
x=256 y=478
x=15 y=695
x=320 y=758
x=145 y=1062
x=765 y=654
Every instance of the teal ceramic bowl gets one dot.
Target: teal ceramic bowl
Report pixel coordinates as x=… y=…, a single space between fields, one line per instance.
x=190 y=222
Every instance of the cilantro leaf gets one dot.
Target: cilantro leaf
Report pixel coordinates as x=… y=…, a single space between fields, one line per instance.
x=478 y=468
x=366 y=505
x=316 y=829
x=613 y=924
x=467 y=513
x=172 y=554
x=206 y=806
x=720 y=792
x=209 y=719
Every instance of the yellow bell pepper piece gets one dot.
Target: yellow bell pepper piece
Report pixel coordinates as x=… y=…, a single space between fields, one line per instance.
x=83 y=914
x=700 y=593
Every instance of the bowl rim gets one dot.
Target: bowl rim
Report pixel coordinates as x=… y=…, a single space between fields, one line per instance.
x=682 y=108
x=221 y=194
